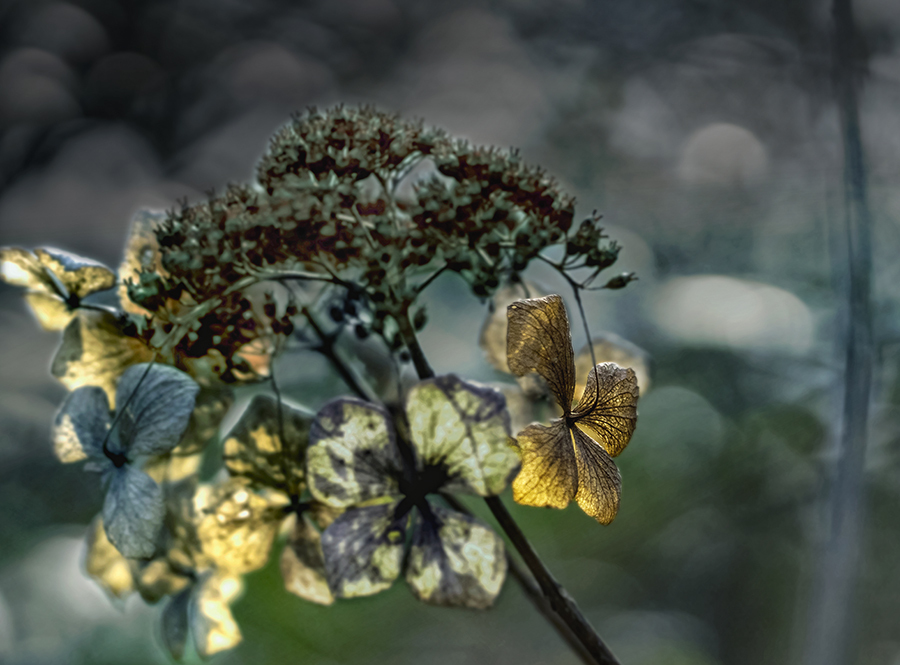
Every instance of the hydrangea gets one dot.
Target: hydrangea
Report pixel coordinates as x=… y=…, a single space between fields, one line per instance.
x=387 y=472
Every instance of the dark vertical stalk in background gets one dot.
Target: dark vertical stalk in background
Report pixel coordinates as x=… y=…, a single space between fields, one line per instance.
x=833 y=601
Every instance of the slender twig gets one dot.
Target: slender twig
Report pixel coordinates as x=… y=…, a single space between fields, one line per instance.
x=832 y=608
x=433 y=276
x=533 y=593
x=559 y=599
x=584 y=322
x=326 y=348
x=121 y=409
x=423 y=369
x=561 y=602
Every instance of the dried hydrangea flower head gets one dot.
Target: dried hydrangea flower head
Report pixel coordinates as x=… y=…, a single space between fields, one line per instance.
x=354 y=213
x=333 y=203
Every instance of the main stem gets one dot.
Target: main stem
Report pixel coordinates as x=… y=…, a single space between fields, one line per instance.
x=560 y=602
x=534 y=594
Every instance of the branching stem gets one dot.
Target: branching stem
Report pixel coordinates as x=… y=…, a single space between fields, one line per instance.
x=326 y=348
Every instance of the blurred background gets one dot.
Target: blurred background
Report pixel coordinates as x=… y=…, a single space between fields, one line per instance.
x=706 y=133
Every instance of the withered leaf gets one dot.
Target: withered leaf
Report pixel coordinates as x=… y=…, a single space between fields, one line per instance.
x=562 y=462
x=352 y=455
x=105 y=564
x=463 y=427
x=96 y=350
x=254 y=448
x=364 y=550
x=455 y=560
x=303 y=564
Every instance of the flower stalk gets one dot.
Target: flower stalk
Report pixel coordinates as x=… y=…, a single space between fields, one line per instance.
x=560 y=606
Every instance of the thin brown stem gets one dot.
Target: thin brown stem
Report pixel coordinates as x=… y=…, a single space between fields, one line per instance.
x=533 y=593
x=423 y=369
x=326 y=348
x=559 y=599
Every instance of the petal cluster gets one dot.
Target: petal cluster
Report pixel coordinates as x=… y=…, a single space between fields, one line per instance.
x=155 y=405
x=572 y=458
x=55 y=281
x=384 y=471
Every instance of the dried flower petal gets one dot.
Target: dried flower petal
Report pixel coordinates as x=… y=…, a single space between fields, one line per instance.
x=610 y=348
x=465 y=428
x=236 y=526
x=105 y=564
x=303 y=564
x=254 y=448
x=549 y=475
x=212 y=623
x=456 y=560
x=133 y=511
x=599 y=482
x=539 y=341
x=56 y=281
x=608 y=409
x=81 y=425
x=364 y=550
x=95 y=351
x=352 y=456
x=561 y=462
x=496 y=326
